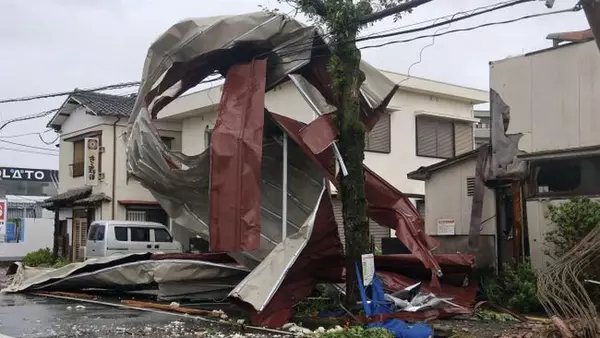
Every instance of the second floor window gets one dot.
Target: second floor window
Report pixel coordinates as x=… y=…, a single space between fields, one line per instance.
x=443 y=138
x=78 y=158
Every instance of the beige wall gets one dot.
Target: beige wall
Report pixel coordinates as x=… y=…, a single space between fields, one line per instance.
x=446 y=197
x=554 y=96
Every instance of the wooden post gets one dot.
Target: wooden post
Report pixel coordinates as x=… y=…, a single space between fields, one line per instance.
x=517 y=208
x=57 y=234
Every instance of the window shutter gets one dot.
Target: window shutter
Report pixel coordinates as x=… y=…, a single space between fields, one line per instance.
x=463 y=134
x=445 y=138
x=337 y=212
x=378 y=139
x=426 y=137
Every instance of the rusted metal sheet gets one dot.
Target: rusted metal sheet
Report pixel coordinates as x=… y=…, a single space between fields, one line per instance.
x=517 y=208
x=235 y=160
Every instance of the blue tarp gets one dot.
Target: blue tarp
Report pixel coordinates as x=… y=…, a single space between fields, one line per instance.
x=378 y=305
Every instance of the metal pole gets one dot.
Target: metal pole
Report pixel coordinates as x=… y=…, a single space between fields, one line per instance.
x=284 y=188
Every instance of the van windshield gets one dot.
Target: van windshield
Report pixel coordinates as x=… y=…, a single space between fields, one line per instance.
x=96 y=233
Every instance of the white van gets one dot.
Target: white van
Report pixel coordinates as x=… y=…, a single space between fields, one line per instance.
x=108 y=238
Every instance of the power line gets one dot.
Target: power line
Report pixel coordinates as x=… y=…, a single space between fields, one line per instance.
x=28 y=146
x=28 y=117
x=97 y=89
x=439 y=34
x=51 y=142
x=26 y=134
x=486 y=9
x=531 y=16
x=28 y=151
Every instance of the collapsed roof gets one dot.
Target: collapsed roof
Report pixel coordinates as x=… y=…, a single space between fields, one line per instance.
x=256 y=52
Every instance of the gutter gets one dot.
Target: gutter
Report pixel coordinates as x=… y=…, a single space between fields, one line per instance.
x=114 y=169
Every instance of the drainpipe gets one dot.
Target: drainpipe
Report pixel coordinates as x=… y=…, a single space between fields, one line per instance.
x=114 y=168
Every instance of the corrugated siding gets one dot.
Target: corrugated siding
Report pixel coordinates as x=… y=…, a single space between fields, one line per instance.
x=376 y=231
x=378 y=139
x=463 y=135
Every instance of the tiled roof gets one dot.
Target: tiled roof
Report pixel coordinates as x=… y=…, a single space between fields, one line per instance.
x=102 y=104
x=67 y=197
x=92 y=199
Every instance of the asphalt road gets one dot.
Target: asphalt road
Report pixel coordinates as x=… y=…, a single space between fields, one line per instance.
x=41 y=317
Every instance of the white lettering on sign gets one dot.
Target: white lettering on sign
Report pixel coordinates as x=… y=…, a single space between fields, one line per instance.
x=24 y=174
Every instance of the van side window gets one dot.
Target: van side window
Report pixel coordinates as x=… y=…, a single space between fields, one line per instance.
x=140 y=234
x=121 y=234
x=162 y=235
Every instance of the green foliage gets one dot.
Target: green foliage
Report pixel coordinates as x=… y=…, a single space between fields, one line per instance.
x=311 y=306
x=515 y=288
x=495 y=316
x=573 y=220
x=358 y=332
x=43 y=258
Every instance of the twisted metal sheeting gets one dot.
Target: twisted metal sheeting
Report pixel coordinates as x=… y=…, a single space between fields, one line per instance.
x=561 y=290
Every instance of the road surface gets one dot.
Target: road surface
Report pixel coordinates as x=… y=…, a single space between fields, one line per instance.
x=40 y=317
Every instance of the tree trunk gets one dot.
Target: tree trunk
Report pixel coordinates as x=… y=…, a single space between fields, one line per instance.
x=347 y=78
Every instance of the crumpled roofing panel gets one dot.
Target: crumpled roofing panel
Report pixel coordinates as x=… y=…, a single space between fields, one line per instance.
x=193 y=49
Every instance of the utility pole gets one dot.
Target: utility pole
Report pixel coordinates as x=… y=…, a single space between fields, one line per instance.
x=344 y=19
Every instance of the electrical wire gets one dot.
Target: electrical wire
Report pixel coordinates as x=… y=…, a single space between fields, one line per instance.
x=378 y=35
x=531 y=16
x=26 y=134
x=28 y=146
x=28 y=117
x=51 y=142
x=28 y=151
x=96 y=89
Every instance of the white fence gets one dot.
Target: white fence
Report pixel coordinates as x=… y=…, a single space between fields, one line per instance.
x=37 y=234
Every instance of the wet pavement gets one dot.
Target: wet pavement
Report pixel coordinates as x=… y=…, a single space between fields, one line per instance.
x=41 y=317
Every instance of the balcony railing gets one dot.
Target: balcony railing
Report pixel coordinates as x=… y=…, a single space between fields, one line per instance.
x=77 y=169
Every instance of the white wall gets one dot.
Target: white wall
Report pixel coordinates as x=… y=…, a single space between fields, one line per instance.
x=447 y=197
x=80 y=123
x=554 y=96
x=285 y=100
x=38 y=235
x=403 y=157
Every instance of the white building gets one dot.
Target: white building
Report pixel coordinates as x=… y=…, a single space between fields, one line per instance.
x=112 y=194
x=428 y=121
x=554 y=100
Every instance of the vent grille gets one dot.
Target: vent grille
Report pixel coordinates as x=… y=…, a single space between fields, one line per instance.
x=470 y=186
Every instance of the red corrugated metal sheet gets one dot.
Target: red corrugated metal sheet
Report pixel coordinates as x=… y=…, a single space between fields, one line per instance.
x=235 y=160
x=321 y=261
x=388 y=206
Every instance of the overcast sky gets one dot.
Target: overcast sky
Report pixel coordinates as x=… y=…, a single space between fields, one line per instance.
x=55 y=45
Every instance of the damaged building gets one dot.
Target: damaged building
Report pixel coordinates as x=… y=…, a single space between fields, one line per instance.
x=544 y=149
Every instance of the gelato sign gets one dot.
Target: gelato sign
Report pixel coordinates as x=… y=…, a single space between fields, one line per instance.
x=30 y=175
